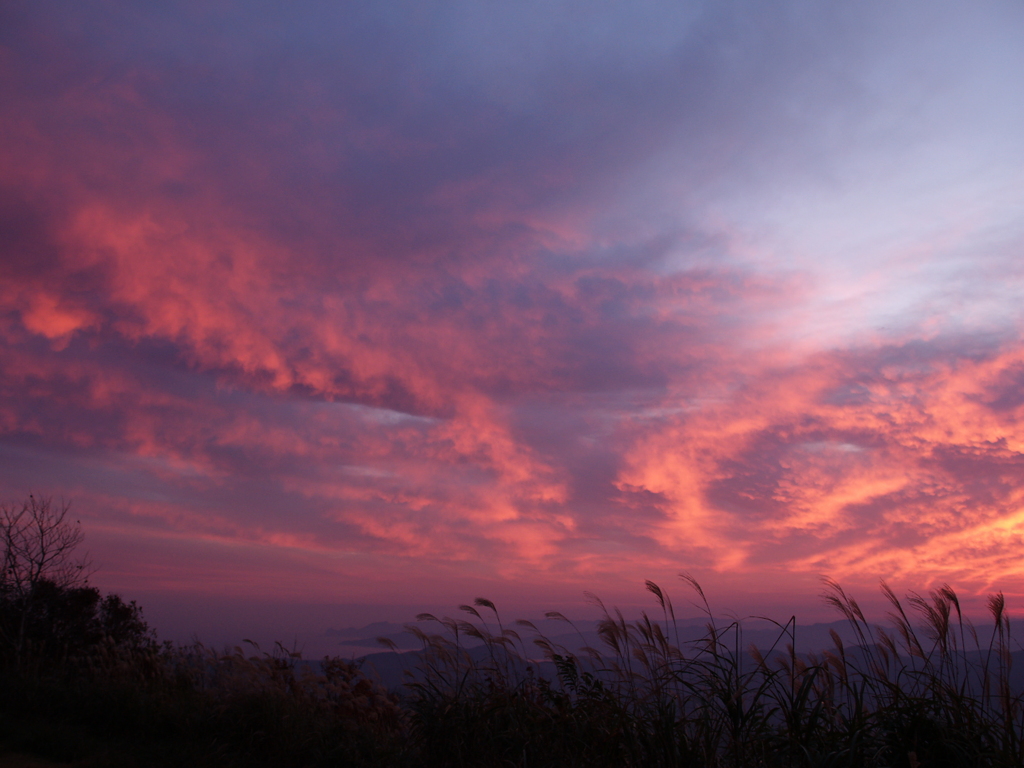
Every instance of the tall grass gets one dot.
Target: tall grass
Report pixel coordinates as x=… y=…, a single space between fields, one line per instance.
x=927 y=689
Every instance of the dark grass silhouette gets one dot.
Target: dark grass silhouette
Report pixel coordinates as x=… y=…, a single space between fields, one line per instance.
x=84 y=679
x=929 y=690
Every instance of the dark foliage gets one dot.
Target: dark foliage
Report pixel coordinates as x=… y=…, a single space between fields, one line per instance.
x=83 y=678
x=56 y=625
x=933 y=694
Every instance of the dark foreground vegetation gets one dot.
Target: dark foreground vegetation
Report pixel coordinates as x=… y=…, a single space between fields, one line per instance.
x=83 y=681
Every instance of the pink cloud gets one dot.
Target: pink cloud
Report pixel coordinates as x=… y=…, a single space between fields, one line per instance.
x=280 y=332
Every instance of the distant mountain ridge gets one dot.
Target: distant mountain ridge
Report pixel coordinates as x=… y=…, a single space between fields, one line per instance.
x=810 y=638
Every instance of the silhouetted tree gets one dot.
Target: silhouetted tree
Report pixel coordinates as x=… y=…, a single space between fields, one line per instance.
x=46 y=604
x=39 y=542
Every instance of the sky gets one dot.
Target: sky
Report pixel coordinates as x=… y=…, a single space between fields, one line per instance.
x=388 y=305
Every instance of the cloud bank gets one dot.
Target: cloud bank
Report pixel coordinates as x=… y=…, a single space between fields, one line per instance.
x=371 y=301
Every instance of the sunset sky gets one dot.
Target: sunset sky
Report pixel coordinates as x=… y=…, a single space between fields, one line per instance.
x=383 y=305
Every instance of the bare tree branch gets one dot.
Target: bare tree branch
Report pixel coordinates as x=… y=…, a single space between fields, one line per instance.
x=38 y=540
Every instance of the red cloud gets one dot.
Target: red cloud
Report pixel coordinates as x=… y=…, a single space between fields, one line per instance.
x=249 y=320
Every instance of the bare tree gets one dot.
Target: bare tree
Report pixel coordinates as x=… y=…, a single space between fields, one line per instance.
x=39 y=541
